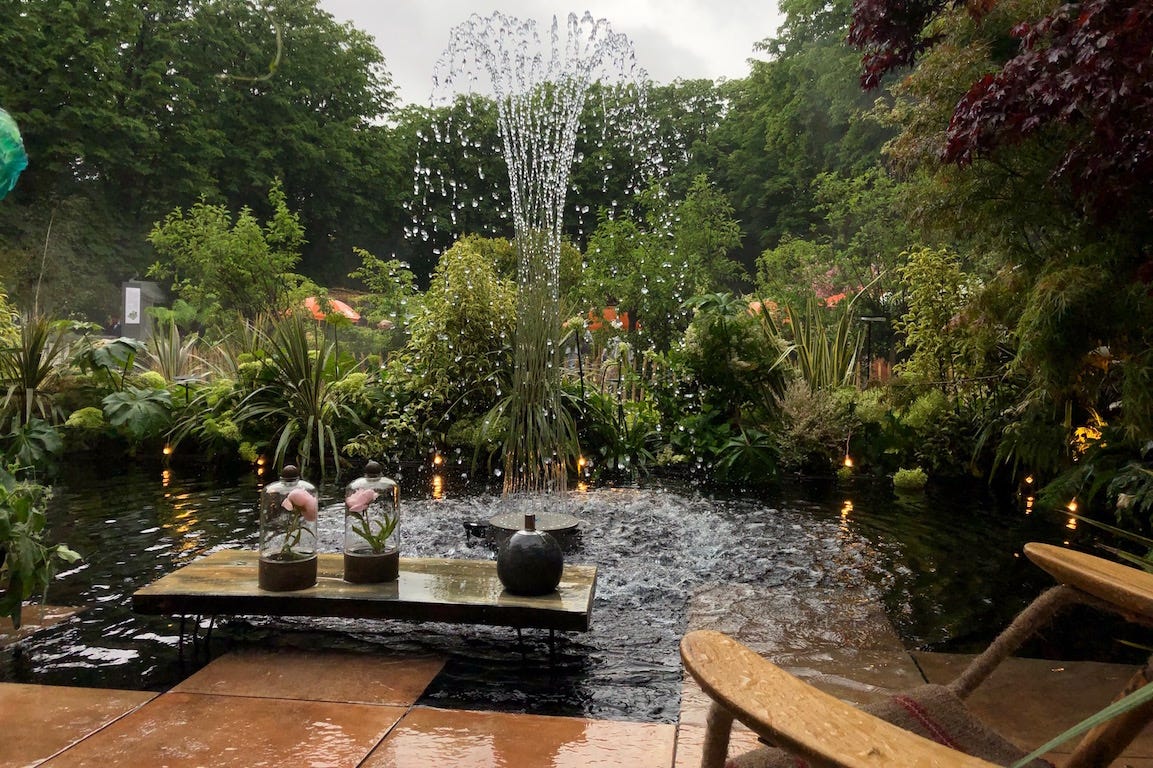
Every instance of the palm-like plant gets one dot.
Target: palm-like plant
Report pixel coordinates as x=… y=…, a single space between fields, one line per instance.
x=172 y=355
x=824 y=350
x=30 y=368
x=300 y=398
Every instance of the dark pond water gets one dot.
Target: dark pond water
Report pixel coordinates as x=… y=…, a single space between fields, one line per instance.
x=943 y=563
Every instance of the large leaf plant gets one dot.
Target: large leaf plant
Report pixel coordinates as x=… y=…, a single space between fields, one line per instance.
x=27 y=561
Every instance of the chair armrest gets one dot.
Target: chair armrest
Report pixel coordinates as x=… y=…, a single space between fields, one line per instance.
x=801 y=719
x=1129 y=589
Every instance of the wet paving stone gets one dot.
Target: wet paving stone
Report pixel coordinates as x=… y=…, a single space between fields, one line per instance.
x=463 y=739
x=185 y=730
x=341 y=677
x=41 y=720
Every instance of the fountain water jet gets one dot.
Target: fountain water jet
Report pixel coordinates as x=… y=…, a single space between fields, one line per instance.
x=540 y=93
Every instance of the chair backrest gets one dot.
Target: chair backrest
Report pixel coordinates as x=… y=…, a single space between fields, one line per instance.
x=1126 y=591
x=799 y=718
x=811 y=724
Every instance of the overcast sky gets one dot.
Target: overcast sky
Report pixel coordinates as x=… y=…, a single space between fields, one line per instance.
x=673 y=38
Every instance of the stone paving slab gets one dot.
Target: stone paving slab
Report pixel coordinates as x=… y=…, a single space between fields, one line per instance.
x=330 y=676
x=465 y=739
x=41 y=720
x=691 y=744
x=186 y=730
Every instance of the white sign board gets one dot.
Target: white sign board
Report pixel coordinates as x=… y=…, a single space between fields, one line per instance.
x=132 y=305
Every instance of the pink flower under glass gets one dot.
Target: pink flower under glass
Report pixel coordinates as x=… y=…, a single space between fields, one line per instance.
x=302 y=502
x=358 y=501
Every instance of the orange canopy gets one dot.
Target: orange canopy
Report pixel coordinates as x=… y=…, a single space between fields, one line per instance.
x=312 y=304
x=597 y=319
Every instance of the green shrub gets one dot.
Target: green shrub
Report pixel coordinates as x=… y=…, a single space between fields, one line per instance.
x=927 y=410
x=871 y=406
x=299 y=403
x=748 y=457
x=84 y=428
x=353 y=389
x=219 y=393
x=152 y=380
x=251 y=372
x=910 y=479
x=814 y=430
x=732 y=359
x=89 y=419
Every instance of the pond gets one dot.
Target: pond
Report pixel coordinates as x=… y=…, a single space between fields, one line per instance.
x=943 y=563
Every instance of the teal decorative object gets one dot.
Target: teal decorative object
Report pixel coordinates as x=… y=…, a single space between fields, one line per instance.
x=12 y=156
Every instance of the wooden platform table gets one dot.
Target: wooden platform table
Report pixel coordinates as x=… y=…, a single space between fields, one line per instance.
x=429 y=589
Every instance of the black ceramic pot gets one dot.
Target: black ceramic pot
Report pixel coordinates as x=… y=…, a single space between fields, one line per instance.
x=529 y=562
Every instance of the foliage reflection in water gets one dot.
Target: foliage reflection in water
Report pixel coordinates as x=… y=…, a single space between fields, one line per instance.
x=944 y=566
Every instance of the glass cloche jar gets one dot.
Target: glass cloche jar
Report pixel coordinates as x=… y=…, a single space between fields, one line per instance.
x=288 y=512
x=372 y=528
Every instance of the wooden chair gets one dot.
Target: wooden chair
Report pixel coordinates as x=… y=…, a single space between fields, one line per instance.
x=824 y=731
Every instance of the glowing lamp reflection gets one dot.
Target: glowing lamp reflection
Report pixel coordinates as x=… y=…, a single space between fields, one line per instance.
x=437 y=487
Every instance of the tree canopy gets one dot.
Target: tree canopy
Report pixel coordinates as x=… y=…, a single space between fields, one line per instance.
x=130 y=109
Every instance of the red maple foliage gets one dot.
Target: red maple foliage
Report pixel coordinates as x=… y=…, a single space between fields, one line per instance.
x=1088 y=65
x=889 y=34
